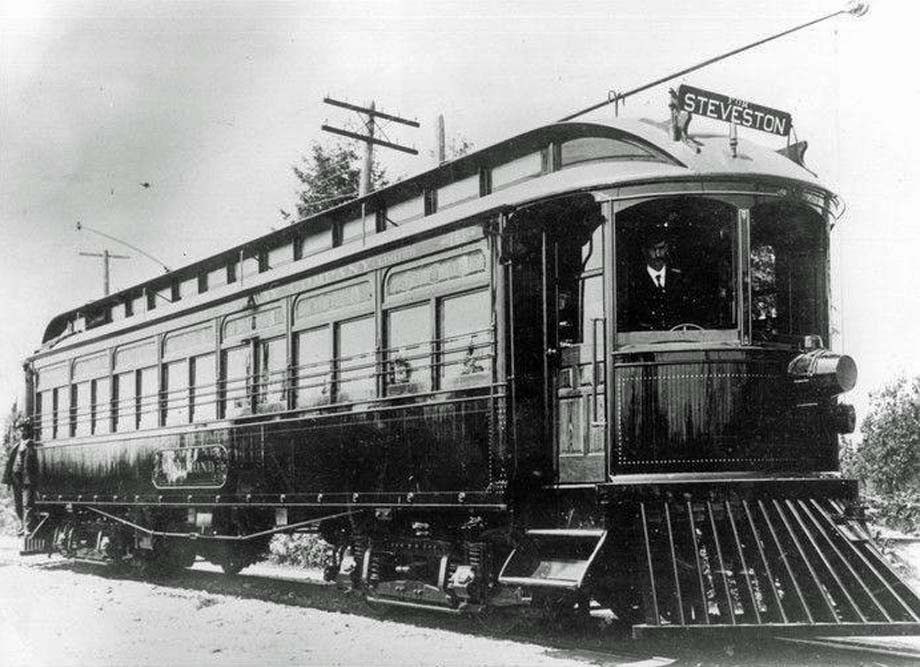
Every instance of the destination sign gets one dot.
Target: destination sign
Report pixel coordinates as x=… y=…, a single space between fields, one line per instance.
x=732 y=110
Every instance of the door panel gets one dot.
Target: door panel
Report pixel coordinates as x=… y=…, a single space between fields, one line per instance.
x=580 y=428
x=581 y=424
x=558 y=325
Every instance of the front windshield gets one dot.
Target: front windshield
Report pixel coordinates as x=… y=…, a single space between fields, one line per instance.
x=788 y=273
x=676 y=265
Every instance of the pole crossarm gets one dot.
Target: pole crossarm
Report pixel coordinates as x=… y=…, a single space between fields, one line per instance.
x=106 y=258
x=111 y=255
x=371 y=112
x=854 y=9
x=371 y=140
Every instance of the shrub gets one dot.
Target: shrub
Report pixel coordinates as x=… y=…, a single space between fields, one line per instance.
x=887 y=461
x=9 y=522
x=301 y=550
x=900 y=511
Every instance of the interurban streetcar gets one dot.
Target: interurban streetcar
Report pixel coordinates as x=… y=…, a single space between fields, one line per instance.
x=468 y=385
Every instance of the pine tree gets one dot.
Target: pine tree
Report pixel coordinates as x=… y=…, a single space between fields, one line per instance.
x=330 y=176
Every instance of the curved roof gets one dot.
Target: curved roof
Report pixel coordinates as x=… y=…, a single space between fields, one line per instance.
x=711 y=155
x=708 y=156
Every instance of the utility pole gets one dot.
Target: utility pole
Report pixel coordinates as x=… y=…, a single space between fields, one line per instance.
x=368 y=154
x=106 y=256
x=369 y=139
x=442 y=144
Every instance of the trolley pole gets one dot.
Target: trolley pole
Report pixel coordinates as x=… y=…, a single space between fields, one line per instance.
x=106 y=257
x=81 y=227
x=370 y=139
x=855 y=8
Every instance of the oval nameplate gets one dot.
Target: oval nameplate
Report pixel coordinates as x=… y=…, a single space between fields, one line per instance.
x=197 y=467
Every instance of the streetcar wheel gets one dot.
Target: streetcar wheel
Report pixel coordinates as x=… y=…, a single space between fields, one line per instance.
x=562 y=613
x=501 y=621
x=233 y=564
x=234 y=557
x=378 y=609
x=232 y=569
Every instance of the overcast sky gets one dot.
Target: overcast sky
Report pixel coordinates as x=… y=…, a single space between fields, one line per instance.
x=212 y=102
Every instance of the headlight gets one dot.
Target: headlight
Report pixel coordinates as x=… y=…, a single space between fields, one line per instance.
x=825 y=372
x=844 y=418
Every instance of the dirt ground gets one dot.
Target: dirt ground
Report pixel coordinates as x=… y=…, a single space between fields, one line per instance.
x=55 y=612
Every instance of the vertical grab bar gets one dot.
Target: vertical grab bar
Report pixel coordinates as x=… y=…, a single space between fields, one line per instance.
x=594 y=368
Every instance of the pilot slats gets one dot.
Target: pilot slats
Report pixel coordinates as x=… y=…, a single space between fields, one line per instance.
x=770 y=563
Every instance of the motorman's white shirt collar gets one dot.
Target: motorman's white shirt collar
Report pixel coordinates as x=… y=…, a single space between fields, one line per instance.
x=653 y=274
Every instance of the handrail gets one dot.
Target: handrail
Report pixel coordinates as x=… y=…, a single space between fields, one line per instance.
x=161 y=405
x=595 y=367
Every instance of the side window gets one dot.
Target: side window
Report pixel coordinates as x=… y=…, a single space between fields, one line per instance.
x=592 y=305
x=65 y=412
x=53 y=400
x=125 y=401
x=80 y=408
x=408 y=354
x=135 y=394
x=148 y=398
x=316 y=240
x=580 y=295
x=787 y=272
x=465 y=339
x=352 y=230
x=56 y=412
x=355 y=360
x=204 y=388
x=72 y=430
x=90 y=394
x=313 y=348
x=101 y=418
x=272 y=393
x=236 y=370
x=585 y=149
x=175 y=399
x=251 y=265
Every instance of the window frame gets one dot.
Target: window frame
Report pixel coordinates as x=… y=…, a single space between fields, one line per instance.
x=428 y=366
x=819 y=258
x=211 y=389
x=442 y=381
x=298 y=366
x=338 y=370
x=331 y=317
x=649 y=153
x=738 y=204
